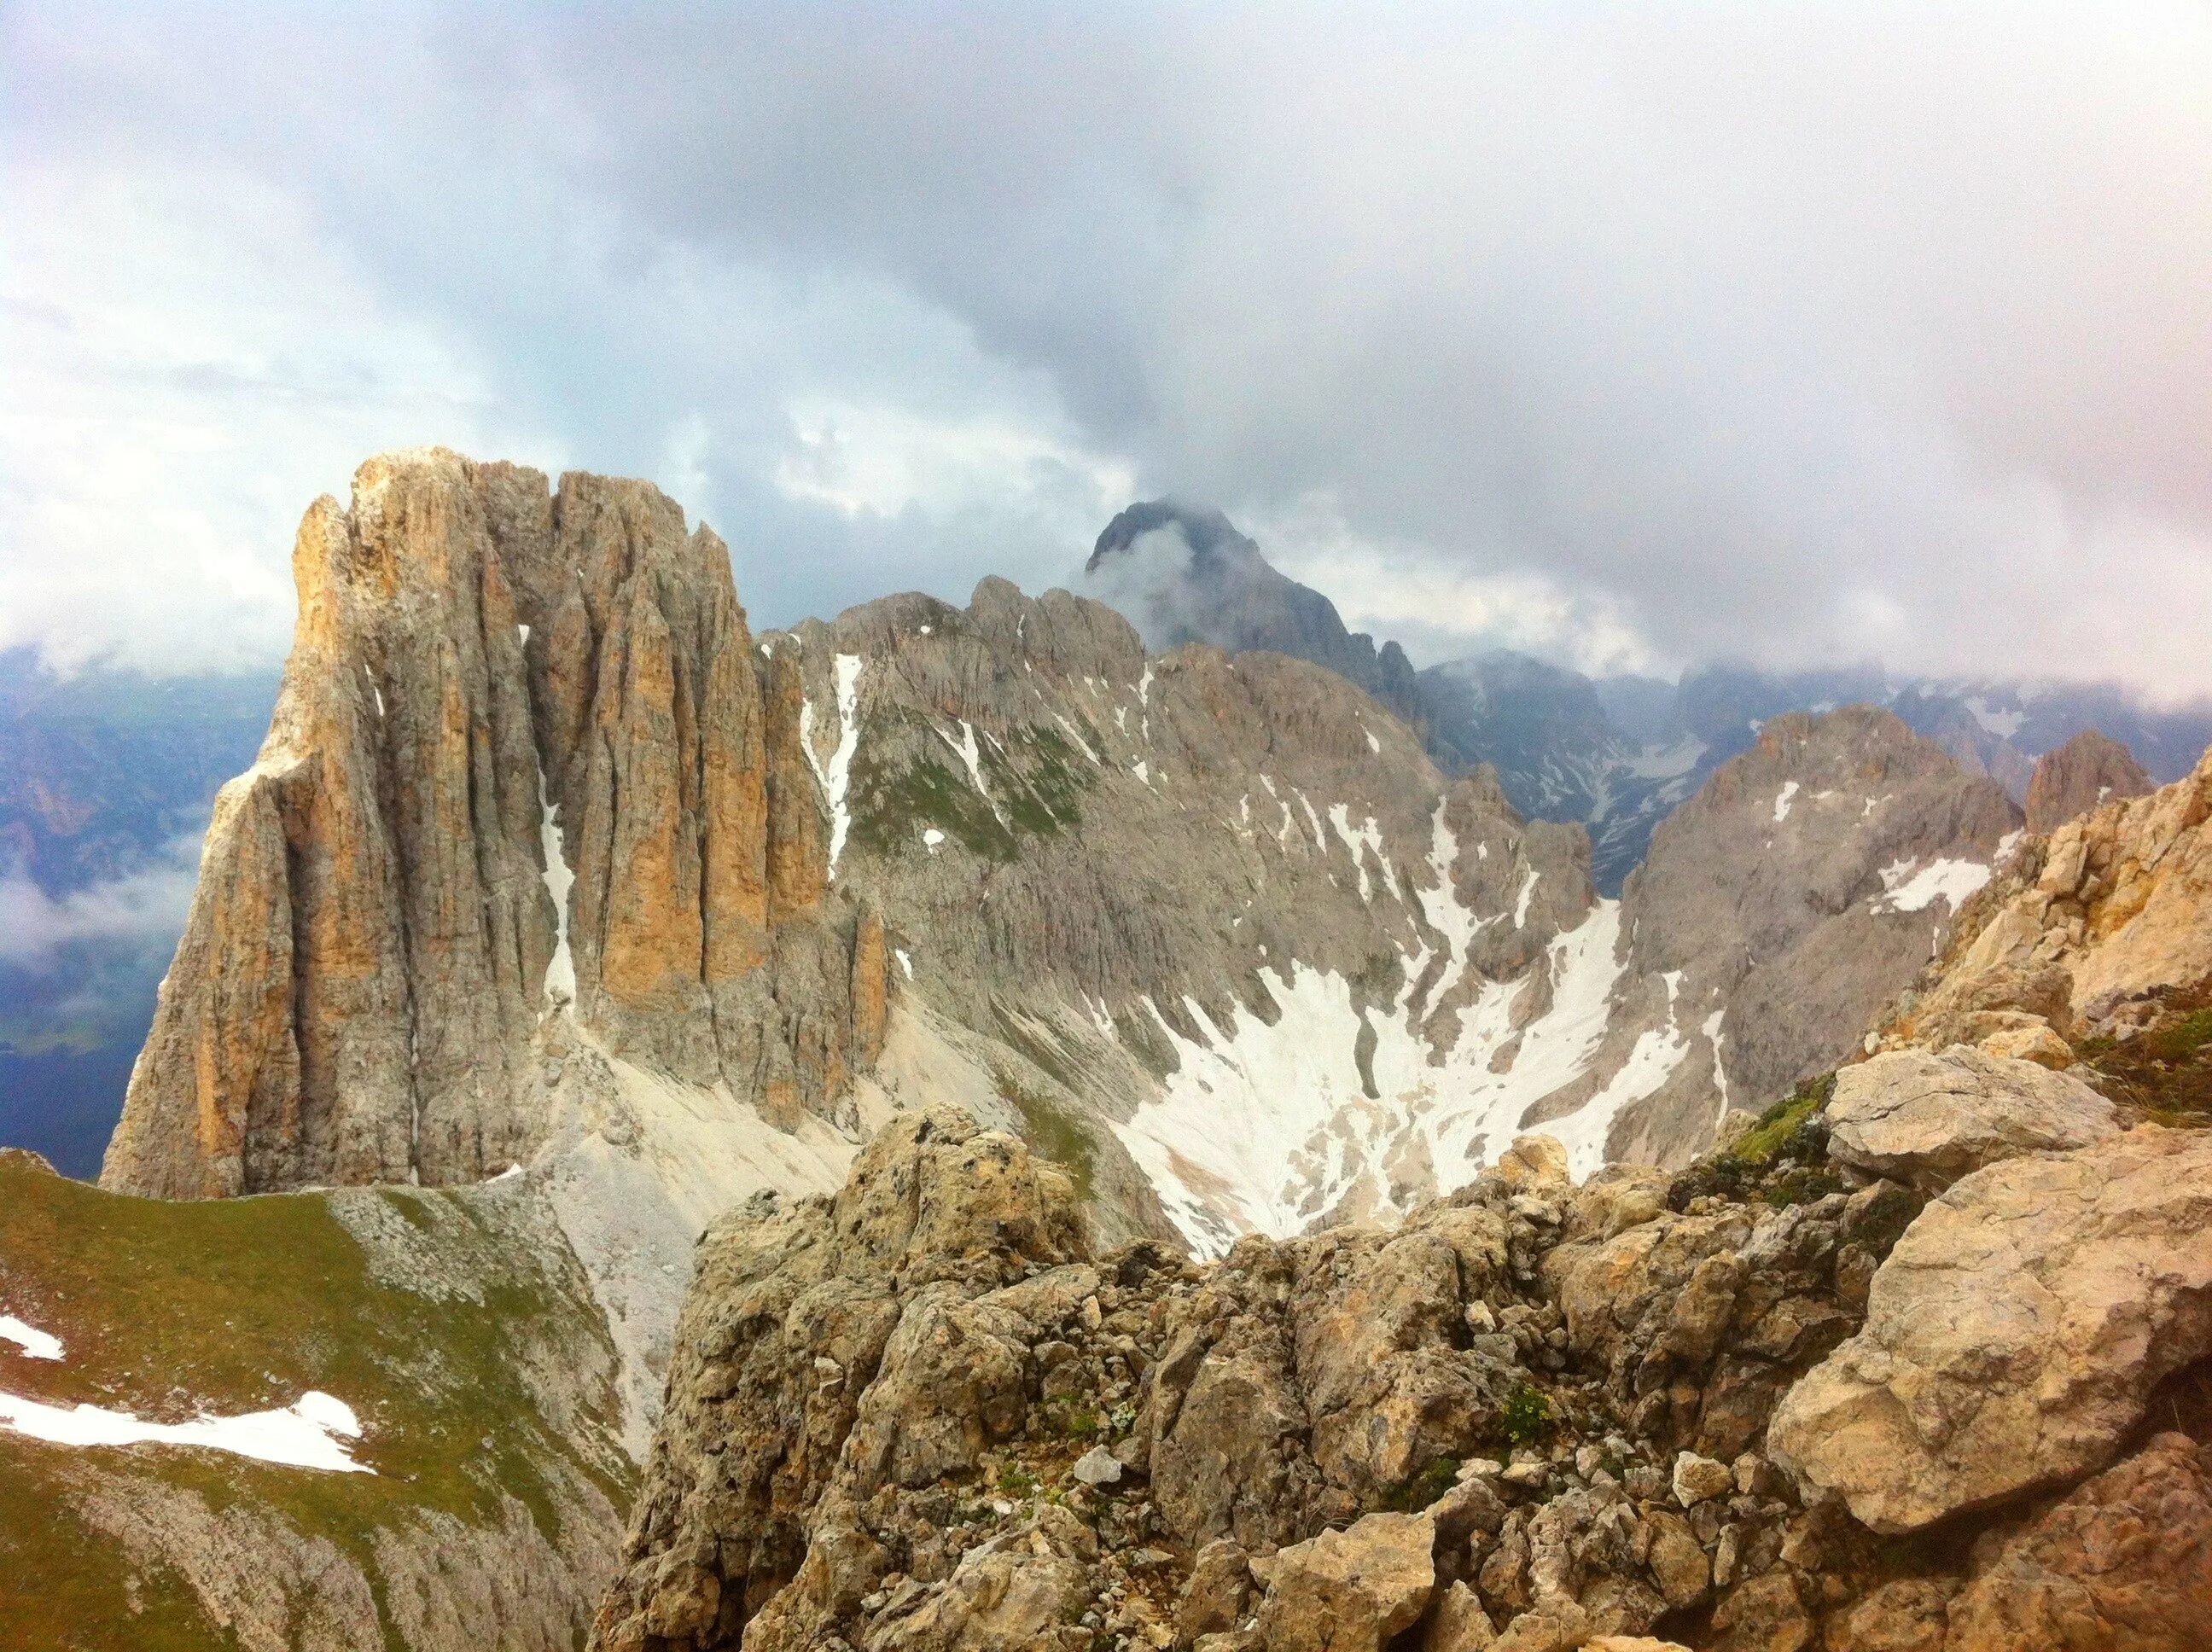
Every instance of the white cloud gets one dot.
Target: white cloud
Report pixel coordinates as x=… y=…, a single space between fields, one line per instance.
x=1629 y=335
x=145 y=908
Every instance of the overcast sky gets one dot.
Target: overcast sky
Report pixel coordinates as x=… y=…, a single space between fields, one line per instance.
x=1630 y=338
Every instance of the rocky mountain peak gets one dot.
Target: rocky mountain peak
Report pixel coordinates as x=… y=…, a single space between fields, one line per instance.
x=1184 y=573
x=2075 y=778
x=525 y=762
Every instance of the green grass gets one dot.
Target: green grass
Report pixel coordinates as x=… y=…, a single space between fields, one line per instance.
x=1037 y=783
x=234 y=1305
x=1418 y=1491
x=1527 y=1419
x=2164 y=1072
x=1057 y=1136
x=1778 y=1127
x=1781 y=1159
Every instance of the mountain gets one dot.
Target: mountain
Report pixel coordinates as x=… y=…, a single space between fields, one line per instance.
x=106 y=776
x=1182 y=574
x=561 y=907
x=2075 y=778
x=1618 y=755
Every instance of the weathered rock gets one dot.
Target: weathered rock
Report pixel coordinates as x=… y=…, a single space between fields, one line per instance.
x=2014 y=1334
x=1699 y=1321
x=2113 y=909
x=484 y=676
x=1908 y=1615
x=1698 y=1478
x=1097 y=1467
x=1350 y=1590
x=1218 y=1594
x=1457 y=1623
x=2124 y=1564
x=1767 y=1614
x=2088 y=771
x=1926 y=1119
x=831 y=1351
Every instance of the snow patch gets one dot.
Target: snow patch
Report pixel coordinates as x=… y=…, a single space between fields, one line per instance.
x=1264 y=1128
x=1790 y=789
x=905 y=962
x=1520 y=906
x=2002 y=724
x=34 y=1342
x=931 y=837
x=969 y=750
x=1908 y=887
x=1083 y=745
x=308 y=1434
x=560 y=972
x=1367 y=836
x=1665 y=762
x=835 y=776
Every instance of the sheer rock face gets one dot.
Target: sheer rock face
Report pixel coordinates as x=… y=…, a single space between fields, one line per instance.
x=2078 y=776
x=1213 y=924
x=1784 y=905
x=2082 y=933
x=496 y=696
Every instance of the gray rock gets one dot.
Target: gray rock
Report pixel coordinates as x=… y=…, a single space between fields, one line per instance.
x=1926 y=1119
x=2014 y=1336
x=1098 y=1466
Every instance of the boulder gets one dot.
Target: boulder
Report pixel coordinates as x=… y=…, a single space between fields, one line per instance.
x=1698 y=1478
x=2014 y=1334
x=1927 y=1120
x=1219 y=1590
x=2122 y=1564
x=1350 y=1591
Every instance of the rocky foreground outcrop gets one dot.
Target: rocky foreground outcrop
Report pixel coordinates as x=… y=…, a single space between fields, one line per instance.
x=1927 y=1120
x=2091 y=934
x=2015 y=1335
x=926 y=1414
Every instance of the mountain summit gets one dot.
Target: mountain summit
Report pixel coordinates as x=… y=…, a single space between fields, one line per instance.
x=1183 y=574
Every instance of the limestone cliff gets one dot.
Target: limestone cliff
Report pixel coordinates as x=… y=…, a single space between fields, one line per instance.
x=1779 y=910
x=526 y=757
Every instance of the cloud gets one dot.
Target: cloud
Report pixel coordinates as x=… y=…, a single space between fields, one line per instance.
x=141 y=911
x=1628 y=336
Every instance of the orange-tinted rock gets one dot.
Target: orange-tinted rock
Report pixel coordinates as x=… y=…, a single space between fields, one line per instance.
x=484 y=672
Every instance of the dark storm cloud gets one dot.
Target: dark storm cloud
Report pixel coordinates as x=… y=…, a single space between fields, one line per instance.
x=1635 y=339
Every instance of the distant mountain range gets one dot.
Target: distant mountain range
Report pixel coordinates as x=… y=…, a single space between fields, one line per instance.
x=1617 y=754
x=107 y=777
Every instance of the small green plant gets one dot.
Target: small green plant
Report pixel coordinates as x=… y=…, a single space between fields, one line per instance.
x=1781 y=1130
x=1527 y=1418
x=1017 y=1481
x=1802 y=1184
x=1416 y=1492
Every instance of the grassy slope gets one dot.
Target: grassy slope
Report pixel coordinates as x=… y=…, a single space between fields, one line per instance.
x=241 y=1305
